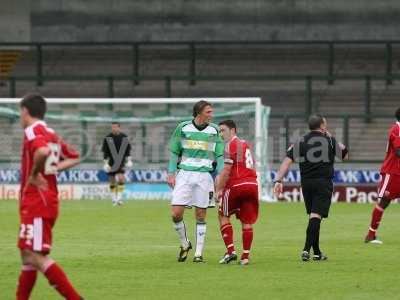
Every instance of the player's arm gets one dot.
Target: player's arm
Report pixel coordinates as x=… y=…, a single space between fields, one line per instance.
x=104 y=149
x=172 y=168
x=341 y=151
x=228 y=157
x=67 y=164
x=219 y=154
x=106 y=155
x=223 y=178
x=39 y=159
x=396 y=145
x=175 y=149
x=344 y=151
x=129 y=163
x=394 y=139
x=40 y=155
x=284 y=168
x=69 y=157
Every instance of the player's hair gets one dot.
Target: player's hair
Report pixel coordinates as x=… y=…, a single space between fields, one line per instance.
x=199 y=106
x=397 y=114
x=35 y=104
x=228 y=123
x=115 y=123
x=315 y=121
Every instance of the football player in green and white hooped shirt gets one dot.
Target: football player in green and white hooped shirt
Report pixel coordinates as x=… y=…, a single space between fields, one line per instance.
x=194 y=146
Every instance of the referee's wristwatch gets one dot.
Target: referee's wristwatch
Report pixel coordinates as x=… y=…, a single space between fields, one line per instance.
x=277 y=181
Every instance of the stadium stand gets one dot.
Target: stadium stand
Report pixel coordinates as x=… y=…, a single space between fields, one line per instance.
x=8 y=60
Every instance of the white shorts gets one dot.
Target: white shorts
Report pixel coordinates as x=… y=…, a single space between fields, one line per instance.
x=193 y=189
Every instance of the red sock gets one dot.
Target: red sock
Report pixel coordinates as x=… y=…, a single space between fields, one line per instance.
x=59 y=281
x=26 y=282
x=247 y=237
x=227 y=236
x=375 y=220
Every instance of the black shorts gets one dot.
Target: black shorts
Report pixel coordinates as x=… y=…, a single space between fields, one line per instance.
x=120 y=170
x=317 y=193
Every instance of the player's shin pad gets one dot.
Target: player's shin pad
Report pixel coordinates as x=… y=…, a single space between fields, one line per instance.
x=201 y=229
x=121 y=188
x=114 y=191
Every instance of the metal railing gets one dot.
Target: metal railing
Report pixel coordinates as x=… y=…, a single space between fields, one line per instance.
x=193 y=46
x=309 y=100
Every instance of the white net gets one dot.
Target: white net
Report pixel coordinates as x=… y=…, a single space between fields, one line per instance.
x=148 y=123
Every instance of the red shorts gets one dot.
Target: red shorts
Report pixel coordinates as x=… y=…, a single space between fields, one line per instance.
x=35 y=234
x=242 y=200
x=389 y=187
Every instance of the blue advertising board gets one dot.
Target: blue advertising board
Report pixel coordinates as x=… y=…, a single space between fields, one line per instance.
x=89 y=176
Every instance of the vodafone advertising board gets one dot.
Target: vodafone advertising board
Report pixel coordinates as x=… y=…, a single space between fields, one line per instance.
x=350 y=185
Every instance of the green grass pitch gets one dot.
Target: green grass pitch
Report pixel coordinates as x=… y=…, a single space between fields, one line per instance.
x=130 y=252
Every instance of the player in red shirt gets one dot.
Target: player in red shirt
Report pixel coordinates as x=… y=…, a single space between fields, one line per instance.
x=389 y=187
x=237 y=192
x=43 y=155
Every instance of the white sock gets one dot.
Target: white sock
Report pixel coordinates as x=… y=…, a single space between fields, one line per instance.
x=180 y=228
x=119 y=196
x=201 y=229
x=113 y=197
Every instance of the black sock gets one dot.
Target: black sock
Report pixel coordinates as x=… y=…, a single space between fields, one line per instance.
x=315 y=246
x=307 y=245
x=311 y=233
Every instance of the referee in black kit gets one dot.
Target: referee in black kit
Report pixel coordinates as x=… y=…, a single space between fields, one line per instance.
x=315 y=152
